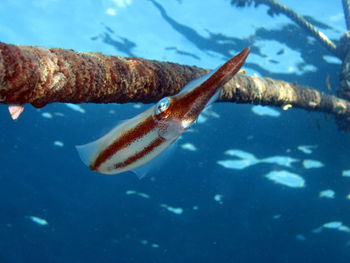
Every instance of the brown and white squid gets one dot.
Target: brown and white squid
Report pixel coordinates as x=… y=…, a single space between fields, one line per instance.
x=140 y=139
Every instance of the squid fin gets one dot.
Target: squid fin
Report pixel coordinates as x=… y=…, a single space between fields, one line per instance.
x=155 y=165
x=15 y=110
x=88 y=151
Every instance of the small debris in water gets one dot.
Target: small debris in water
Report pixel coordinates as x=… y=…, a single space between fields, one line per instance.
x=218 y=198
x=265 y=111
x=286 y=178
x=58 y=143
x=175 y=210
x=47 y=115
x=330 y=194
x=306 y=148
x=75 y=107
x=189 y=147
x=308 y=164
x=38 y=220
x=133 y=192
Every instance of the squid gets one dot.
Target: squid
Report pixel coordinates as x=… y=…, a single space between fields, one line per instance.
x=137 y=141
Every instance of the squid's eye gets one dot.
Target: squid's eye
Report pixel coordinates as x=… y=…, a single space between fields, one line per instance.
x=162 y=105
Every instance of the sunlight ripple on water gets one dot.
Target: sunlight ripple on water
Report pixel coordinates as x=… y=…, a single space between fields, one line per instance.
x=286 y=178
x=265 y=111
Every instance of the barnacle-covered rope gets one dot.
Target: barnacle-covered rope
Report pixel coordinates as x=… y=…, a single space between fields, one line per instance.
x=41 y=76
x=346 y=7
x=278 y=8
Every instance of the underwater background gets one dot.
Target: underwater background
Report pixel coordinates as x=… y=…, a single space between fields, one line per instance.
x=245 y=184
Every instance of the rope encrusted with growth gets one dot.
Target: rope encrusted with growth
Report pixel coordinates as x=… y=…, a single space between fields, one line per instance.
x=277 y=8
x=41 y=76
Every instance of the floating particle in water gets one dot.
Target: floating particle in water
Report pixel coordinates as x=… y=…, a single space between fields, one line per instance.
x=75 y=107
x=286 y=106
x=241 y=154
x=329 y=193
x=278 y=216
x=218 y=198
x=306 y=148
x=344 y=228
x=47 y=115
x=60 y=114
x=348 y=197
x=331 y=59
x=189 y=147
x=309 y=68
x=337 y=225
x=317 y=230
x=265 y=111
x=201 y=119
x=58 y=143
x=154 y=245
x=280 y=160
x=38 y=220
x=235 y=164
x=133 y=192
x=195 y=207
x=137 y=105
x=333 y=224
x=308 y=164
x=286 y=178
x=246 y=160
x=144 y=242
x=346 y=173
x=300 y=237
x=175 y=210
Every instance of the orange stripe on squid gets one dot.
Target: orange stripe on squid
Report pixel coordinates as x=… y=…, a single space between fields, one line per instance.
x=141 y=154
x=123 y=141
